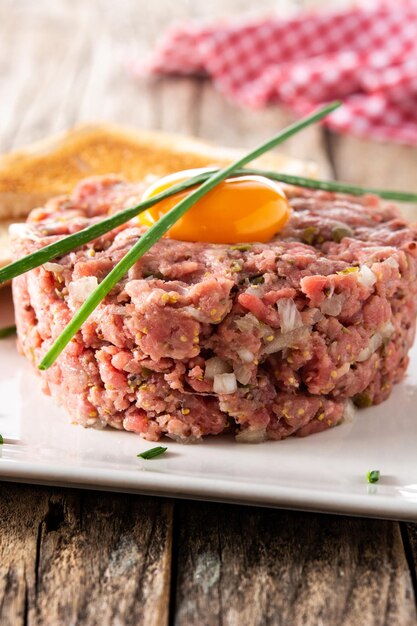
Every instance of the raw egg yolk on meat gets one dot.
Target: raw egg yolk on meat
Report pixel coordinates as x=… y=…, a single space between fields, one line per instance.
x=240 y=209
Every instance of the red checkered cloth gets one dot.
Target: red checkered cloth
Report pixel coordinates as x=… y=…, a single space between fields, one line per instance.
x=365 y=55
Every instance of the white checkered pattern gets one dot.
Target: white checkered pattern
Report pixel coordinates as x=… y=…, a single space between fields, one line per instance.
x=366 y=56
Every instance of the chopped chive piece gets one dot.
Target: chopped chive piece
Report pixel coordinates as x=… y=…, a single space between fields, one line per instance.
x=6 y=332
x=332 y=185
x=152 y=453
x=372 y=476
x=1 y=440
x=155 y=232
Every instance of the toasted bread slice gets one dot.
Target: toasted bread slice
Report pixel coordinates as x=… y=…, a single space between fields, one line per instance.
x=5 y=252
x=53 y=166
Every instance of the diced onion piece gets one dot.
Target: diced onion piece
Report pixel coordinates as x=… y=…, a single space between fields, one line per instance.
x=224 y=383
x=392 y=262
x=333 y=305
x=246 y=355
x=253 y=290
x=81 y=288
x=366 y=276
x=287 y=340
x=387 y=330
x=290 y=317
x=243 y=373
x=315 y=315
x=215 y=366
x=343 y=369
x=349 y=412
x=247 y=323
x=256 y=290
x=376 y=342
x=251 y=435
x=53 y=267
x=196 y=314
x=117 y=309
x=23 y=231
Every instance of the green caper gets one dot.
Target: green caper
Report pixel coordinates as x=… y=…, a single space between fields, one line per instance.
x=257 y=280
x=308 y=235
x=362 y=400
x=242 y=247
x=339 y=232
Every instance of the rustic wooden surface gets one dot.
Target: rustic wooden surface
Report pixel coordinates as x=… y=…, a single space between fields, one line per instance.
x=72 y=557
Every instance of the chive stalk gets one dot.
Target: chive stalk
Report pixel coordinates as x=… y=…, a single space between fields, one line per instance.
x=70 y=242
x=152 y=453
x=155 y=232
x=372 y=476
x=336 y=186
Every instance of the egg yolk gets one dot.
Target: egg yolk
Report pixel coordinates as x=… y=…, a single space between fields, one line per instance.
x=240 y=209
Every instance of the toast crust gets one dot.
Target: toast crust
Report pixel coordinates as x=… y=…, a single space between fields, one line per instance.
x=53 y=166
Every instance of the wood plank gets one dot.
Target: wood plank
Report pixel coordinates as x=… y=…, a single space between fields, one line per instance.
x=225 y=123
x=376 y=164
x=85 y=78
x=409 y=533
x=252 y=566
x=71 y=557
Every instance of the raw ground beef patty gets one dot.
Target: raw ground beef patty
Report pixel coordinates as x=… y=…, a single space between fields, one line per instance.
x=264 y=340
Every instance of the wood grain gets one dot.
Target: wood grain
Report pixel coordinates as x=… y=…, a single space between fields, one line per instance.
x=69 y=557
x=409 y=533
x=376 y=164
x=250 y=566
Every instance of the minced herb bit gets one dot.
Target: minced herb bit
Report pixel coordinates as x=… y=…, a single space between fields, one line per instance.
x=1 y=440
x=7 y=332
x=372 y=476
x=242 y=247
x=308 y=235
x=362 y=400
x=257 y=280
x=152 y=453
x=236 y=266
x=349 y=270
x=339 y=232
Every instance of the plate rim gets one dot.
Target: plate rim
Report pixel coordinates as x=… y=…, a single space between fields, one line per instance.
x=212 y=489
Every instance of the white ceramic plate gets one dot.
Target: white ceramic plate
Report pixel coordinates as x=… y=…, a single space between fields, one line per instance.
x=324 y=472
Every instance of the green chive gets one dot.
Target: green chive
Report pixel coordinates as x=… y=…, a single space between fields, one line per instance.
x=70 y=242
x=152 y=453
x=331 y=185
x=155 y=232
x=372 y=476
x=6 y=332
x=1 y=440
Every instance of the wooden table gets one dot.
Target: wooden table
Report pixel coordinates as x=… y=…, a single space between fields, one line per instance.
x=76 y=557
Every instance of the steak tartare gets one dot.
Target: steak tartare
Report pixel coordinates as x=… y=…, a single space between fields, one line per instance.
x=266 y=340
